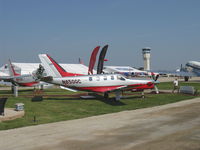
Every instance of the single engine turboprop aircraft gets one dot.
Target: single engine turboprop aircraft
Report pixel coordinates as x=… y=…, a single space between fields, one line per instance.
x=22 y=80
x=98 y=83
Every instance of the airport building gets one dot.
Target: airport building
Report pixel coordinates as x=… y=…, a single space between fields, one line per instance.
x=125 y=70
x=29 y=68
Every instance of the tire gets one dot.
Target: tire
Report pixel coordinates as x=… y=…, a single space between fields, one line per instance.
x=106 y=95
x=186 y=78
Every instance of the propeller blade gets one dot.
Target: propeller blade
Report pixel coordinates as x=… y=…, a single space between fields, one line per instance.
x=101 y=59
x=156 y=78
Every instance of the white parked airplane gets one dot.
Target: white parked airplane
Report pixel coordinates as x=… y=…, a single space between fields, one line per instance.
x=103 y=83
x=21 y=80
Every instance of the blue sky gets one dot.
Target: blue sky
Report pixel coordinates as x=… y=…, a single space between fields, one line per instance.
x=69 y=29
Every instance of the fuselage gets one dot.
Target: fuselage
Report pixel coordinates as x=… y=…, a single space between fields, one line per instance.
x=102 y=82
x=26 y=80
x=195 y=65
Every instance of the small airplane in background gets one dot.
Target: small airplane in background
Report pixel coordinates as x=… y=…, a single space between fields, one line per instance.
x=27 y=80
x=98 y=83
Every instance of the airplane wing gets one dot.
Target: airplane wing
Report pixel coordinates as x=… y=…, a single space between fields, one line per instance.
x=118 y=88
x=69 y=89
x=5 y=78
x=13 y=79
x=99 y=89
x=178 y=73
x=108 y=89
x=182 y=73
x=189 y=74
x=8 y=79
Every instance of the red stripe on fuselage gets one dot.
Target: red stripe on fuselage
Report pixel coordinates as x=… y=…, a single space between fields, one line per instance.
x=140 y=86
x=103 y=89
x=28 y=84
x=98 y=88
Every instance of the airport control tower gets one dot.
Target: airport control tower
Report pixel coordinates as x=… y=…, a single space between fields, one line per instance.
x=146 y=57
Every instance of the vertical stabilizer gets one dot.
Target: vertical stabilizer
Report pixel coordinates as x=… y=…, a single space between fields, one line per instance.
x=52 y=68
x=12 y=71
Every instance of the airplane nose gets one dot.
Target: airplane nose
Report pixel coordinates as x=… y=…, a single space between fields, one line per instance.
x=149 y=83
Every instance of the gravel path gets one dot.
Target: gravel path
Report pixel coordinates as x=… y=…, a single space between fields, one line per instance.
x=170 y=127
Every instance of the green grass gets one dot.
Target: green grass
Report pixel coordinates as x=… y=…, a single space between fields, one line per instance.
x=31 y=91
x=169 y=85
x=53 y=109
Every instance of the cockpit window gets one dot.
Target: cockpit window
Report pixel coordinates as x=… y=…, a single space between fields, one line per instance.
x=121 y=78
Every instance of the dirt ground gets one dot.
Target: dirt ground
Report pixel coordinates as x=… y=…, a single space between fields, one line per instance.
x=169 y=127
x=11 y=114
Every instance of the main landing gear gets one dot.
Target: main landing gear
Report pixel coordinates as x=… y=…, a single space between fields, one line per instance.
x=106 y=95
x=117 y=95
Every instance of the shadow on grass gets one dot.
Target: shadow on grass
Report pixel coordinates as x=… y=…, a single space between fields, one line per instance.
x=62 y=98
x=110 y=101
x=136 y=97
x=26 y=90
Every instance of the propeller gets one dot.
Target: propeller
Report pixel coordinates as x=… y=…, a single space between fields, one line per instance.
x=155 y=78
x=39 y=72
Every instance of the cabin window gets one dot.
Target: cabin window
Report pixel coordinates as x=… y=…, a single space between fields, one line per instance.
x=112 y=77
x=90 y=78
x=105 y=77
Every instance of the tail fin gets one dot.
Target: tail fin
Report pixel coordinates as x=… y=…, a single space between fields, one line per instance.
x=93 y=60
x=52 y=68
x=12 y=70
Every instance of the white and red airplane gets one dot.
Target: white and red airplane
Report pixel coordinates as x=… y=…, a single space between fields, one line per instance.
x=20 y=80
x=98 y=83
